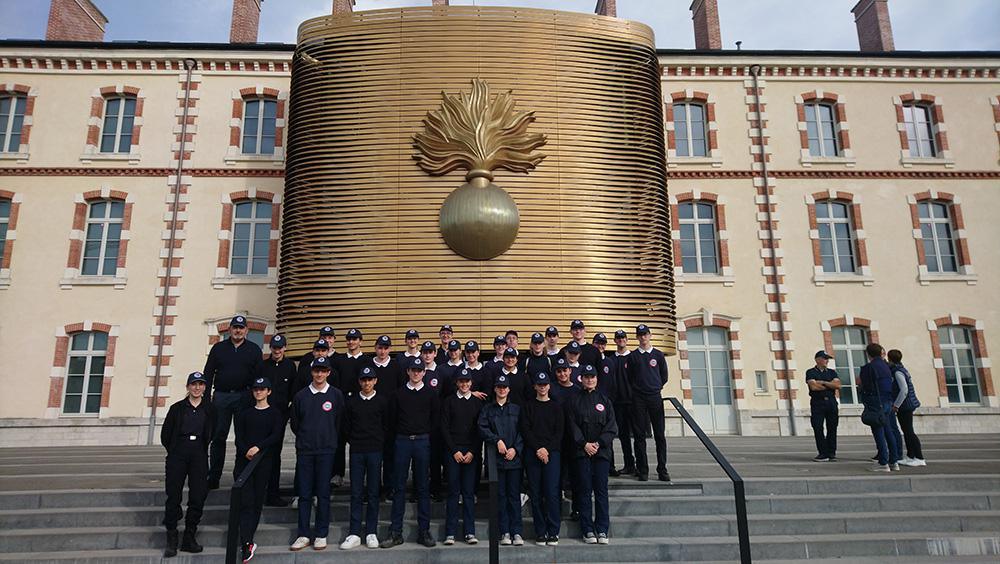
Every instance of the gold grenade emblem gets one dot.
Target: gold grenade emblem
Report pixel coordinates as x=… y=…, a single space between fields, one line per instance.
x=479 y=220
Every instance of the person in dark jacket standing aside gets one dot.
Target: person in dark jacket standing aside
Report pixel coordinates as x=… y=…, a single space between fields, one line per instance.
x=317 y=412
x=232 y=365
x=186 y=432
x=876 y=394
x=647 y=372
x=460 y=431
x=592 y=424
x=620 y=393
x=498 y=429
x=823 y=384
x=366 y=426
x=281 y=373
x=259 y=430
x=542 y=425
x=904 y=411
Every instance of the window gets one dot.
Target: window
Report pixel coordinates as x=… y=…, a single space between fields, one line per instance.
x=690 y=129
x=919 y=130
x=253 y=335
x=820 y=130
x=251 y=238
x=836 y=237
x=259 y=121
x=699 y=247
x=937 y=236
x=849 y=344
x=85 y=375
x=760 y=378
x=711 y=374
x=11 y=121
x=103 y=238
x=4 y=223
x=119 y=117
x=959 y=364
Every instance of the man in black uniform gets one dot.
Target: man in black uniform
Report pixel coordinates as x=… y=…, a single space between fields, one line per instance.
x=536 y=360
x=621 y=398
x=436 y=381
x=232 y=365
x=592 y=424
x=412 y=340
x=367 y=424
x=346 y=367
x=823 y=384
x=603 y=384
x=562 y=392
x=647 y=371
x=388 y=378
x=186 y=432
x=280 y=372
x=588 y=352
x=552 y=348
x=446 y=334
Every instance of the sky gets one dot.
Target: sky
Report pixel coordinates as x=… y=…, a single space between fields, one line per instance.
x=926 y=25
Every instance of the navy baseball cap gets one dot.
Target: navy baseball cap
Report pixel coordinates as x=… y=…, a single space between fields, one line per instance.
x=238 y=321
x=454 y=345
x=278 y=341
x=261 y=383
x=383 y=341
x=427 y=346
x=471 y=346
x=601 y=338
x=463 y=375
x=822 y=354
x=510 y=352
x=416 y=364
x=641 y=329
x=588 y=370
x=321 y=344
x=326 y=331
x=196 y=377
x=499 y=340
x=573 y=347
x=367 y=373
x=537 y=338
x=551 y=331
x=446 y=328
x=576 y=324
x=541 y=378
x=621 y=334
x=501 y=382
x=353 y=334
x=321 y=363
x=561 y=363
x=412 y=334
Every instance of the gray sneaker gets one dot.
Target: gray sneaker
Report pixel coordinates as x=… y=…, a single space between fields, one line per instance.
x=590 y=538
x=449 y=540
x=602 y=538
x=518 y=540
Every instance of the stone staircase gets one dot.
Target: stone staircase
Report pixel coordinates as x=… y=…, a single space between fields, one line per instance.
x=105 y=505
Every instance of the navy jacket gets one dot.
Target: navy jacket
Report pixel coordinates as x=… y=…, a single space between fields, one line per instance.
x=316 y=420
x=876 y=382
x=497 y=423
x=592 y=419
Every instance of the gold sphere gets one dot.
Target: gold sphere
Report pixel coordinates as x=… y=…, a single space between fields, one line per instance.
x=479 y=220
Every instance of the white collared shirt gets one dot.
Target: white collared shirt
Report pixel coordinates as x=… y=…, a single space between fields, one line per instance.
x=313 y=389
x=464 y=396
x=431 y=365
x=366 y=398
x=511 y=372
x=626 y=353
x=645 y=351
x=349 y=355
x=551 y=352
x=476 y=367
x=498 y=359
x=408 y=355
x=574 y=364
x=459 y=363
x=416 y=388
x=383 y=365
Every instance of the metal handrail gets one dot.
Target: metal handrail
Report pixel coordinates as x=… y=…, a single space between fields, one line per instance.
x=235 y=505
x=739 y=491
x=493 y=505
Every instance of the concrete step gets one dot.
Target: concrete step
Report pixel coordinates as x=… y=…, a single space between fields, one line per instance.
x=893 y=482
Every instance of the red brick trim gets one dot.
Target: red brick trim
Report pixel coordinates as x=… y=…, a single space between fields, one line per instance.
x=78 y=233
x=848 y=321
x=60 y=357
x=854 y=205
x=712 y=127
x=98 y=101
x=873 y=73
x=721 y=232
x=8 y=249
x=240 y=98
x=30 y=95
x=841 y=128
x=957 y=225
x=225 y=229
x=979 y=350
x=732 y=326
x=937 y=117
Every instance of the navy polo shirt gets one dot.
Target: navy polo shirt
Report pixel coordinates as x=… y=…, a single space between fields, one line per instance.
x=826 y=375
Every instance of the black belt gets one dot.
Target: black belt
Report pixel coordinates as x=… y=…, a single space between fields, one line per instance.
x=230 y=391
x=413 y=437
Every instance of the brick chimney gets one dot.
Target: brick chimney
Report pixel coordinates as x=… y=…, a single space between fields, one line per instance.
x=75 y=20
x=874 y=28
x=246 y=21
x=343 y=6
x=439 y=3
x=707 y=34
x=606 y=8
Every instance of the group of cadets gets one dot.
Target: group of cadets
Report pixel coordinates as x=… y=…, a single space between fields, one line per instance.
x=547 y=415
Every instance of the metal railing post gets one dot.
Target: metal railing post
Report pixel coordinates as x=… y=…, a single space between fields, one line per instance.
x=491 y=464
x=235 y=505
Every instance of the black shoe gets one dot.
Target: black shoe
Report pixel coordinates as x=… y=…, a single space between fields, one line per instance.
x=388 y=495
x=643 y=477
x=875 y=457
x=614 y=473
x=542 y=540
x=189 y=544
x=627 y=471
x=574 y=515
x=249 y=549
x=213 y=484
x=425 y=538
x=277 y=502
x=663 y=477
x=395 y=539
x=171 y=550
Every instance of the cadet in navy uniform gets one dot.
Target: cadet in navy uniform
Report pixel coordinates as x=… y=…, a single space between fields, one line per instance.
x=536 y=360
x=588 y=352
x=186 y=432
x=317 y=412
x=328 y=336
x=592 y=424
x=415 y=413
x=518 y=380
x=621 y=398
x=563 y=392
x=481 y=380
x=498 y=429
x=446 y=334
x=436 y=382
x=389 y=377
x=542 y=425
x=572 y=352
x=303 y=375
x=511 y=337
x=232 y=365
x=367 y=428
x=552 y=348
x=412 y=340
x=259 y=430
x=463 y=448
x=494 y=364
x=647 y=371
x=600 y=341
x=450 y=367
x=281 y=372
x=348 y=365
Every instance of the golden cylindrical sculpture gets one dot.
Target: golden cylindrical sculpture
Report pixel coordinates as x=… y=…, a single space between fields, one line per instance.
x=369 y=239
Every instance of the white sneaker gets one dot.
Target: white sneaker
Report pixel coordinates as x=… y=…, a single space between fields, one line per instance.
x=602 y=538
x=505 y=539
x=319 y=543
x=352 y=541
x=449 y=540
x=471 y=539
x=295 y=503
x=299 y=544
x=894 y=466
x=919 y=462
x=590 y=538
x=518 y=540
x=371 y=541
x=879 y=467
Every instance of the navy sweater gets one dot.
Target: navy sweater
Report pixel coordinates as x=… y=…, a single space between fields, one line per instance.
x=316 y=420
x=647 y=371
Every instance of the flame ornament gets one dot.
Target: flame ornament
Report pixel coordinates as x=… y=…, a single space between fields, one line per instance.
x=479 y=220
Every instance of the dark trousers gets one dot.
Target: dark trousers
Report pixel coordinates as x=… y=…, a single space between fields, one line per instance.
x=437 y=461
x=388 y=464
x=885 y=440
x=543 y=481
x=340 y=458
x=509 y=500
x=623 y=416
x=913 y=449
x=567 y=475
x=417 y=450
x=648 y=411
x=187 y=460
x=274 y=481
x=366 y=468
x=592 y=479
x=825 y=412
x=461 y=481
x=227 y=406
x=254 y=493
x=314 y=472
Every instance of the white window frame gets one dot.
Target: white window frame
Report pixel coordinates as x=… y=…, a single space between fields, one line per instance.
x=119 y=120
x=106 y=222
x=253 y=221
x=696 y=221
x=849 y=377
x=818 y=123
x=686 y=124
x=920 y=130
x=260 y=126
x=5 y=226
x=706 y=349
x=935 y=240
x=831 y=223
x=7 y=127
x=89 y=355
x=950 y=357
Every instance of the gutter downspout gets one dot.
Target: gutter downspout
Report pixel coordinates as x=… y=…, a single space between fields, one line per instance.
x=773 y=271
x=189 y=65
